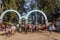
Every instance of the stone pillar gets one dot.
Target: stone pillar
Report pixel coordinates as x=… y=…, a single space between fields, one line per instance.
x=26 y=21
x=0 y=20
x=19 y=21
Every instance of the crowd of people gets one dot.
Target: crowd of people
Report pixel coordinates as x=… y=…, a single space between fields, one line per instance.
x=11 y=29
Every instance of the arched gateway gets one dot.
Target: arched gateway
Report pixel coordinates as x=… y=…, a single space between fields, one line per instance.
x=29 y=13
x=2 y=15
x=26 y=17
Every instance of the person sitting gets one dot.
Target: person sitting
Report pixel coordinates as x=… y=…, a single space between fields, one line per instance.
x=3 y=27
x=30 y=27
x=13 y=29
x=22 y=28
x=33 y=28
x=26 y=27
x=51 y=28
x=40 y=28
x=37 y=28
x=10 y=30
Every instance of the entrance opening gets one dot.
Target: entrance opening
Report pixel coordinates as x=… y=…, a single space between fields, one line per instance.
x=11 y=17
x=36 y=18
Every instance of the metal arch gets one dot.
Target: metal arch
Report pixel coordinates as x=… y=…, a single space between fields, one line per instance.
x=26 y=17
x=23 y=17
x=37 y=11
x=10 y=11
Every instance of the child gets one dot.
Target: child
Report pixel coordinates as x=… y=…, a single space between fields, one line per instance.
x=51 y=28
x=10 y=30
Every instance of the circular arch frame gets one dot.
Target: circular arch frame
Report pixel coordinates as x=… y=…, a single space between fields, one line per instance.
x=46 y=20
x=1 y=17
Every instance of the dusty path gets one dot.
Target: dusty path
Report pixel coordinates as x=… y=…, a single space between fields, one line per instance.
x=32 y=36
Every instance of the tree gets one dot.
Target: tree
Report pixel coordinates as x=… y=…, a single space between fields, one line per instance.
x=47 y=6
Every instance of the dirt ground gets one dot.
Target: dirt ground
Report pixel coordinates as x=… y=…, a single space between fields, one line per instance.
x=32 y=36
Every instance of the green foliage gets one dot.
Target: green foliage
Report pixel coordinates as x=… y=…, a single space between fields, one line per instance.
x=46 y=5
